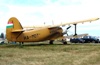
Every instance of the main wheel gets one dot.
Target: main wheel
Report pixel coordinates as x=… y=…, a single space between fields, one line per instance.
x=64 y=41
x=51 y=41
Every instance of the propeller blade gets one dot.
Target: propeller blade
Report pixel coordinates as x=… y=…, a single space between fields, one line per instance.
x=68 y=27
x=65 y=32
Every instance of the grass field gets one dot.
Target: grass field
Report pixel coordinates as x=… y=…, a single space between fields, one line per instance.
x=45 y=54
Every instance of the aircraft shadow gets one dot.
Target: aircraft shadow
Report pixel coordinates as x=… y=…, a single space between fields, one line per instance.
x=29 y=45
x=39 y=44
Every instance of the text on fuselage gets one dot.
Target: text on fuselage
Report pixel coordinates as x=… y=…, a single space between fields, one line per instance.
x=31 y=36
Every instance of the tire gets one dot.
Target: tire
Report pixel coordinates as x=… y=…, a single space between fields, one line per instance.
x=65 y=42
x=51 y=41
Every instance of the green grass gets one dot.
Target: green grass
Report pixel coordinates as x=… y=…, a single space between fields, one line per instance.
x=45 y=54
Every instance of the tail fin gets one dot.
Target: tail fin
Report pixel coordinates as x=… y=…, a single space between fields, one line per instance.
x=13 y=24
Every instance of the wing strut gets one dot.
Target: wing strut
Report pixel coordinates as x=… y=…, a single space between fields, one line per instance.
x=75 y=29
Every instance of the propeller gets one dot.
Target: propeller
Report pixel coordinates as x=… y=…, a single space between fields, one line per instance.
x=65 y=32
x=68 y=27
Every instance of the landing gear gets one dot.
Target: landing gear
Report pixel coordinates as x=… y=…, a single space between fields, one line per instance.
x=51 y=41
x=21 y=44
x=64 y=41
x=75 y=30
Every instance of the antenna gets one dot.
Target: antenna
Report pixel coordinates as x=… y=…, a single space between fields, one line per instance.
x=44 y=23
x=52 y=22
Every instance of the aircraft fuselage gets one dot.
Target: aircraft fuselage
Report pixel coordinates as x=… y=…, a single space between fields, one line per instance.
x=37 y=35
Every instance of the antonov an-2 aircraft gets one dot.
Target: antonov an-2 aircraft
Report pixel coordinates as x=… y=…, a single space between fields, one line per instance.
x=16 y=33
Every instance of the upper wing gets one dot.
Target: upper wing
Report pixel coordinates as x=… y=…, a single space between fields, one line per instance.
x=76 y=22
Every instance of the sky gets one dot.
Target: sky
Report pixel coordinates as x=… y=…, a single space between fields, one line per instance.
x=36 y=12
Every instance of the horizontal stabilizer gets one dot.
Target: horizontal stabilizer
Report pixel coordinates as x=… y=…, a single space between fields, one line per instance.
x=19 y=30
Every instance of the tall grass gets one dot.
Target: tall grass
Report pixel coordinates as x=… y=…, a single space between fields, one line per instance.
x=45 y=54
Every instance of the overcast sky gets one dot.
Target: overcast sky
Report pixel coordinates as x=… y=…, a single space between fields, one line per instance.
x=36 y=12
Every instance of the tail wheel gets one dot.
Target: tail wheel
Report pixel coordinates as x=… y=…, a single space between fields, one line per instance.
x=51 y=41
x=21 y=43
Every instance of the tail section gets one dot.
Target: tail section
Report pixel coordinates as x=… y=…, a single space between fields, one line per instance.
x=12 y=25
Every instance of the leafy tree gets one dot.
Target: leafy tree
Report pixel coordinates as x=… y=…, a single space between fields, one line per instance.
x=2 y=35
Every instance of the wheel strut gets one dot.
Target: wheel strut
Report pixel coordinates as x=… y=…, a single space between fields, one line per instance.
x=75 y=29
